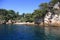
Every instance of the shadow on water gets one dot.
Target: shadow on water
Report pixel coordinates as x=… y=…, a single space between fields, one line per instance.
x=5 y=31
x=39 y=33
x=28 y=32
x=21 y=32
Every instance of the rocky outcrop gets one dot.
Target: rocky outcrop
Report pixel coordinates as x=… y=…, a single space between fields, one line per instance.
x=53 y=17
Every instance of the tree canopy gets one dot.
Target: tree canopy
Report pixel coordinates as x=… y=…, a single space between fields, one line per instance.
x=38 y=13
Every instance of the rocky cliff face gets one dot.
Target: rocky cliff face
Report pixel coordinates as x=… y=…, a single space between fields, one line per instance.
x=53 y=16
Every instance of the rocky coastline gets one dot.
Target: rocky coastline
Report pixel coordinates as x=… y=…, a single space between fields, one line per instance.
x=54 y=24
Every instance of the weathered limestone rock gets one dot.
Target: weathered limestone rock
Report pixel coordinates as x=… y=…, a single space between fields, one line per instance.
x=47 y=17
x=56 y=6
x=53 y=18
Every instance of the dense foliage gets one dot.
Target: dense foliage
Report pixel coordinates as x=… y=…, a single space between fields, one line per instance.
x=27 y=17
x=8 y=14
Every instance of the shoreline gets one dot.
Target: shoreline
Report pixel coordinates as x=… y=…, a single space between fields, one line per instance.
x=24 y=23
x=45 y=24
x=55 y=24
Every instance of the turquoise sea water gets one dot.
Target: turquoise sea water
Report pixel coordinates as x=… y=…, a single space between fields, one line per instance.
x=28 y=32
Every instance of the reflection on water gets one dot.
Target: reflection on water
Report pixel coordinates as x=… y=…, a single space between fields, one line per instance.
x=52 y=33
x=28 y=32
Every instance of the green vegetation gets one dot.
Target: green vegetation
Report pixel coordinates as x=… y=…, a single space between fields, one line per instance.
x=8 y=14
x=27 y=17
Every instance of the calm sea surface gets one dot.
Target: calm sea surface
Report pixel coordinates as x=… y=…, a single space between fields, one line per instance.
x=28 y=32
